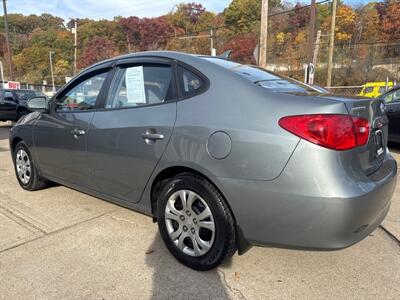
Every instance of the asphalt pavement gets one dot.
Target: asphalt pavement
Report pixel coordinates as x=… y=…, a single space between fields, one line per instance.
x=58 y=243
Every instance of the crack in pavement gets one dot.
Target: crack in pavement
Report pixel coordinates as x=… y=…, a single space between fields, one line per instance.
x=57 y=231
x=22 y=219
x=233 y=290
x=391 y=235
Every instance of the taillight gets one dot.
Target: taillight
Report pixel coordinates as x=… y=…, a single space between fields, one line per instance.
x=333 y=131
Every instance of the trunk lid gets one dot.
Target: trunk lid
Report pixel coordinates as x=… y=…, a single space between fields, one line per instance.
x=372 y=154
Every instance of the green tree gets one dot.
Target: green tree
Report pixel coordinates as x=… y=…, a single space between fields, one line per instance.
x=240 y=14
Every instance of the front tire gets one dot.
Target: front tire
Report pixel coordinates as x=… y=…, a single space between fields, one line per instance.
x=195 y=222
x=25 y=169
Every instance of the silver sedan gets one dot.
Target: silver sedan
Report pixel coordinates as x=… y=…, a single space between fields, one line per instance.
x=222 y=155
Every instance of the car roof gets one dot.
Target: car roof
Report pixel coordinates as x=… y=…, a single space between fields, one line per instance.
x=165 y=54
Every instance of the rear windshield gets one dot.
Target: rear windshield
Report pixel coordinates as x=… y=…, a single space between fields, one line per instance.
x=264 y=78
x=27 y=94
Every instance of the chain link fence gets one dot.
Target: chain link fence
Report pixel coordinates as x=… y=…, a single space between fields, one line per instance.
x=44 y=88
x=346 y=90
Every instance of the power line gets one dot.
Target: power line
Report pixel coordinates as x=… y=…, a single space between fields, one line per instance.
x=248 y=21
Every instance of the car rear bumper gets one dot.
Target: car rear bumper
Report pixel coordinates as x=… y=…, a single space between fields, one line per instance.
x=279 y=214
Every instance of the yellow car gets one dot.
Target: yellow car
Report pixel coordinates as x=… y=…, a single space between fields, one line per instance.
x=374 y=89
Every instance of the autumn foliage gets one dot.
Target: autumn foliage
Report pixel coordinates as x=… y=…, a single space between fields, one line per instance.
x=365 y=36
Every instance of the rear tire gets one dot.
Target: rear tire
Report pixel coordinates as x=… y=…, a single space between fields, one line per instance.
x=25 y=169
x=200 y=233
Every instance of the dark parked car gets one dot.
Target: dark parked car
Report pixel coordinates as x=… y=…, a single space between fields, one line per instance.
x=392 y=101
x=13 y=103
x=222 y=155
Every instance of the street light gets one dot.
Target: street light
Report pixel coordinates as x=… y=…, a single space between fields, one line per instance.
x=51 y=70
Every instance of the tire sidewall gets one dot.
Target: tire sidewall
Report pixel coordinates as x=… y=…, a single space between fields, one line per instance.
x=218 y=250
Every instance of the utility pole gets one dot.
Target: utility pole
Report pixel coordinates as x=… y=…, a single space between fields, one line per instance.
x=331 y=44
x=10 y=64
x=311 y=32
x=76 y=43
x=2 y=75
x=212 y=42
x=316 y=48
x=51 y=70
x=262 y=61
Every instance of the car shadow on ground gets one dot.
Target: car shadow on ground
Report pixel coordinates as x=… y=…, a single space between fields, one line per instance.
x=172 y=280
x=394 y=147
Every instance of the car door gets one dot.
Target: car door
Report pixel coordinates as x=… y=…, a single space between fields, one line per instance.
x=8 y=106
x=128 y=137
x=392 y=101
x=60 y=136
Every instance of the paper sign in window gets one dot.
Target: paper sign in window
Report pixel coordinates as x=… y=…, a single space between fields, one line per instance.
x=135 y=85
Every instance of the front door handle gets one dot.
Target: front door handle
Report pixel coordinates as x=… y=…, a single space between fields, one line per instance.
x=152 y=136
x=77 y=133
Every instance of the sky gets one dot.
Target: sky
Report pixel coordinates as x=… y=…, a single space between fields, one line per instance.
x=107 y=9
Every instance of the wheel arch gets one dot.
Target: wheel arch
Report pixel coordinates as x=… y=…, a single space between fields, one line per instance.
x=171 y=172
x=15 y=142
x=242 y=244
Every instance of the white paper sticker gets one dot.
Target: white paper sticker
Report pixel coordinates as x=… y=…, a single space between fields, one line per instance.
x=135 y=85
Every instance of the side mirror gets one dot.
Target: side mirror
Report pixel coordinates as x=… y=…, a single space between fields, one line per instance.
x=38 y=104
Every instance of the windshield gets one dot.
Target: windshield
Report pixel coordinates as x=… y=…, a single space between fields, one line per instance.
x=264 y=78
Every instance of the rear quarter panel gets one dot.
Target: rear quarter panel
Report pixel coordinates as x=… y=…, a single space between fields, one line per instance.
x=249 y=114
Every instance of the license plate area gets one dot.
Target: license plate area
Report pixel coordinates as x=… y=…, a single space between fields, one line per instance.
x=378 y=141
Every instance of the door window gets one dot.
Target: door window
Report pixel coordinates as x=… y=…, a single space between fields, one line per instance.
x=141 y=85
x=83 y=96
x=189 y=83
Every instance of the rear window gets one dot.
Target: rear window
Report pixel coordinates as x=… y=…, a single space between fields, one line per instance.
x=264 y=78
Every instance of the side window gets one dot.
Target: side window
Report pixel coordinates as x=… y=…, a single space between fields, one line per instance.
x=83 y=96
x=9 y=96
x=392 y=97
x=189 y=83
x=141 y=85
x=388 y=98
x=396 y=96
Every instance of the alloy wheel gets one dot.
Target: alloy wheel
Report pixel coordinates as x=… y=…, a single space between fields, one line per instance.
x=190 y=223
x=23 y=164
